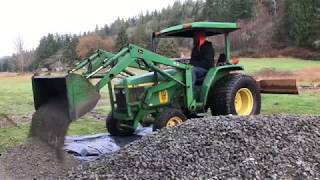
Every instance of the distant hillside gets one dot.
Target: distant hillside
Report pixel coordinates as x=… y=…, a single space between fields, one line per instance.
x=268 y=28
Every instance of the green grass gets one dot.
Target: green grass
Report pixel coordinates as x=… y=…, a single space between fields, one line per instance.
x=253 y=65
x=86 y=126
x=305 y=103
x=16 y=95
x=10 y=137
x=16 y=99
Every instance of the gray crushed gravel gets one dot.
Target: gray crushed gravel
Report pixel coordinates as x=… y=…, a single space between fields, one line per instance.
x=261 y=147
x=34 y=160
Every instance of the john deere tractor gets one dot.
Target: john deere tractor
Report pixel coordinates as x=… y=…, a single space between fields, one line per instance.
x=165 y=95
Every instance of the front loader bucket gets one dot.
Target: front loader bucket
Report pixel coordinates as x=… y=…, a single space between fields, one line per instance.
x=78 y=93
x=278 y=86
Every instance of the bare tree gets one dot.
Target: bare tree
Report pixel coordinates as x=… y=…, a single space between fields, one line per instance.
x=92 y=42
x=19 y=47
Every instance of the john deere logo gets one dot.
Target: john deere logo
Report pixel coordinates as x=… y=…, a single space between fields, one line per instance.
x=140 y=51
x=163 y=97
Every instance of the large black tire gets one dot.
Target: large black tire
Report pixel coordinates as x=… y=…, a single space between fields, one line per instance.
x=170 y=118
x=223 y=96
x=113 y=127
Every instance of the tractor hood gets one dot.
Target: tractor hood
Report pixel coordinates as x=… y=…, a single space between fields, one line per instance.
x=147 y=79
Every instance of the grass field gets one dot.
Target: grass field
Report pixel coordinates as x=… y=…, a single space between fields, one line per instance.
x=16 y=99
x=253 y=65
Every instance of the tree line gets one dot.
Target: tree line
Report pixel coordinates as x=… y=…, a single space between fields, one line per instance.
x=265 y=24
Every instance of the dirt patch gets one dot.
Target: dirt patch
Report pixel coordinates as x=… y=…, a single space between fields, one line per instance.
x=272 y=72
x=50 y=123
x=303 y=53
x=310 y=89
x=6 y=121
x=8 y=74
x=311 y=75
x=308 y=74
x=34 y=159
x=10 y=120
x=308 y=79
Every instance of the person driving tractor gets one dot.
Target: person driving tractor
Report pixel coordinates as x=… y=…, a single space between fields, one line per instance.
x=201 y=57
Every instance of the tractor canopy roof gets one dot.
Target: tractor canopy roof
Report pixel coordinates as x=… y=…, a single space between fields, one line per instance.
x=187 y=30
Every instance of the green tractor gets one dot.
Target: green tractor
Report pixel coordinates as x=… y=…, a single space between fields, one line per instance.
x=165 y=95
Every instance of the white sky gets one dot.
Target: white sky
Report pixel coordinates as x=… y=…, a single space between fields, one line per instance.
x=32 y=19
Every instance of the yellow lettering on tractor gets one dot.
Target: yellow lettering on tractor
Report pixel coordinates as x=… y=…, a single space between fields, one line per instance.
x=164 y=97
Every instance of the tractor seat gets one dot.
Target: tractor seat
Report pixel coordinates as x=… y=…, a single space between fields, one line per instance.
x=200 y=81
x=222 y=60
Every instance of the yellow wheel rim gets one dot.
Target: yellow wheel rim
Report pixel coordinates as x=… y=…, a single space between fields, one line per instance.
x=243 y=102
x=174 y=121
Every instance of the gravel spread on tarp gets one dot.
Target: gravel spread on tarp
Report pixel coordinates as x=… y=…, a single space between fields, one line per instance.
x=34 y=160
x=275 y=147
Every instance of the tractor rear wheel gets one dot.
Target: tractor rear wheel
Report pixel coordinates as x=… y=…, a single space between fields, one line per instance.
x=171 y=118
x=113 y=127
x=235 y=94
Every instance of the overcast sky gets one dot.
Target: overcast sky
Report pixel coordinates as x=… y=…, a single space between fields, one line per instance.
x=32 y=19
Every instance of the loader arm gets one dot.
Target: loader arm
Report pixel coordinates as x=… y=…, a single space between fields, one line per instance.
x=93 y=62
x=136 y=57
x=82 y=95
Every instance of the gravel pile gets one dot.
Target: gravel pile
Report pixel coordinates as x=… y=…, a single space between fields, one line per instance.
x=34 y=160
x=275 y=147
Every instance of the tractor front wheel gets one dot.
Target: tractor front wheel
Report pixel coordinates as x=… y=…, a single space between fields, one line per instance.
x=113 y=127
x=235 y=94
x=170 y=118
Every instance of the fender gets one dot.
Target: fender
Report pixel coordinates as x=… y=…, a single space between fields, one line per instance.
x=213 y=75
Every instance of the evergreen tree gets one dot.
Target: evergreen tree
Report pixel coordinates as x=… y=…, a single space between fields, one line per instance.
x=209 y=11
x=317 y=20
x=47 y=47
x=140 y=36
x=70 y=53
x=301 y=20
x=122 y=39
x=7 y=64
x=240 y=9
x=227 y=10
x=96 y=30
x=106 y=30
x=168 y=48
x=116 y=26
